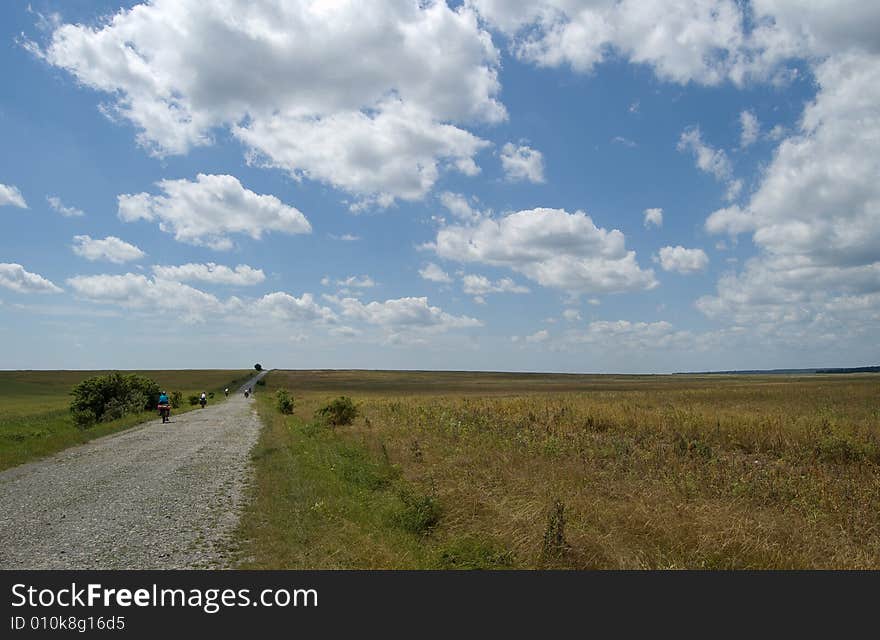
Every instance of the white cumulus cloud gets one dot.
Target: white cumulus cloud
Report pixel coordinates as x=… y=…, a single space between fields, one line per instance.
x=815 y=217
x=160 y=296
x=412 y=313
x=287 y=308
x=477 y=285
x=625 y=334
x=206 y=211
x=522 y=163
x=241 y=275
x=459 y=206
x=14 y=276
x=316 y=88
x=551 y=247
x=434 y=273
x=654 y=217
x=110 y=248
x=683 y=260
x=136 y=291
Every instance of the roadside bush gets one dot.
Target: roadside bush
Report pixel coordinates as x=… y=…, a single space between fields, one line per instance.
x=339 y=412
x=193 y=400
x=261 y=382
x=284 y=402
x=419 y=514
x=176 y=399
x=111 y=396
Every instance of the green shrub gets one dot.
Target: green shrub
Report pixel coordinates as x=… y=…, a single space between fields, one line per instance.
x=83 y=418
x=284 y=402
x=176 y=399
x=418 y=514
x=339 y=412
x=111 y=396
x=261 y=382
x=193 y=400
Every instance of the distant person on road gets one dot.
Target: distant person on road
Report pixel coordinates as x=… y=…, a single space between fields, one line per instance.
x=164 y=407
x=226 y=391
x=203 y=400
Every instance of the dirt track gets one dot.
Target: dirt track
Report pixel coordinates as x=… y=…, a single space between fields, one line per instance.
x=158 y=496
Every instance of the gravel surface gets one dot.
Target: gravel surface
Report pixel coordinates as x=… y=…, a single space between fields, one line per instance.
x=158 y=496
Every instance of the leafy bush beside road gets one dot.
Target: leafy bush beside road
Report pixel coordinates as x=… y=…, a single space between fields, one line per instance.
x=284 y=402
x=110 y=397
x=339 y=412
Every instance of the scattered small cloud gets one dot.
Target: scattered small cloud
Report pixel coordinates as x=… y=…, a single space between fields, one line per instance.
x=776 y=133
x=434 y=273
x=682 y=260
x=10 y=195
x=67 y=212
x=539 y=336
x=459 y=206
x=357 y=282
x=751 y=129
x=710 y=160
x=521 y=162
x=654 y=217
x=477 y=285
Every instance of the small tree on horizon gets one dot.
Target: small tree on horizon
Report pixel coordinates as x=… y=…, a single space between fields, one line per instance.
x=258 y=367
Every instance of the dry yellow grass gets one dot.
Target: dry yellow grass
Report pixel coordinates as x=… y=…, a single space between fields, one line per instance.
x=650 y=472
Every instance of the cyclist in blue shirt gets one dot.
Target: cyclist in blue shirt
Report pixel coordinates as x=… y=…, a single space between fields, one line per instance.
x=164 y=407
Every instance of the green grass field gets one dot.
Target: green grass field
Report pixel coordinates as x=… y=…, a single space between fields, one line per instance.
x=34 y=416
x=463 y=470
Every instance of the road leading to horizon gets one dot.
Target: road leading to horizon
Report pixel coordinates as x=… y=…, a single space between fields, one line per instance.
x=157 y=496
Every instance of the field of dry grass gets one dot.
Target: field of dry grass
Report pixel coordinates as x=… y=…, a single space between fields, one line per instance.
x=504 y=470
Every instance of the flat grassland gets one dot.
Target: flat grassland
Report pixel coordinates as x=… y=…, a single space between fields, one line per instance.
x=467 y=470
x=35 y=420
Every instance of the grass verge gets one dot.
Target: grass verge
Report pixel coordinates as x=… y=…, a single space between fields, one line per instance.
x=321 y=500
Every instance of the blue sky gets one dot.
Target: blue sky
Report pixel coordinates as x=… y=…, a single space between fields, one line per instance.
x=432 y=186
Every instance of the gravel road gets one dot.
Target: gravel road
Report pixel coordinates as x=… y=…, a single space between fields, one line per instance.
x=158 y=496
